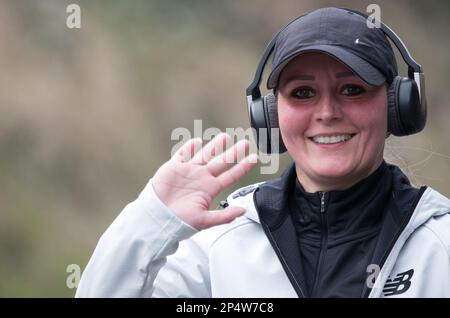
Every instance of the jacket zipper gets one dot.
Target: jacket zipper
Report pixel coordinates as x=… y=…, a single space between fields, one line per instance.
x=323 y=242
x=322 y=202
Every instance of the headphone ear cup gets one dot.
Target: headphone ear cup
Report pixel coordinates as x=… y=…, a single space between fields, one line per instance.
x=413 y=113
x=258 y=122
x=270 y=103
x=406 y=114
x=394 y=123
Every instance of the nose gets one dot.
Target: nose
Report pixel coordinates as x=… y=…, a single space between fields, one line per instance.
x=328 y=109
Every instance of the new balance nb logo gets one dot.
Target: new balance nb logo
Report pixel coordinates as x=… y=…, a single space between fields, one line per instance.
x=399 y=284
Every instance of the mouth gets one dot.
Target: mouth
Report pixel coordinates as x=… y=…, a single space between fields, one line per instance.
x=331 y=139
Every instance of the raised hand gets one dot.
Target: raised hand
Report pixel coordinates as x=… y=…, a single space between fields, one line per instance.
x=190 y=180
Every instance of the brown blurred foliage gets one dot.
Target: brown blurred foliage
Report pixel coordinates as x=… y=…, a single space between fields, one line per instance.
x=86 y=115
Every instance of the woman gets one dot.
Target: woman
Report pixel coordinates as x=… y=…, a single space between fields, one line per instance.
x=340 y=222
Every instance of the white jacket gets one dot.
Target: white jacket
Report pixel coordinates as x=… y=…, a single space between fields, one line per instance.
x=148 y=252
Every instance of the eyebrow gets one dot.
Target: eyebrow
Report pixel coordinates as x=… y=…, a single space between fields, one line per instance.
x=299 y=77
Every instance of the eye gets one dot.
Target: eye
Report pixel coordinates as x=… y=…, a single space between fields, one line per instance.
x=352 y=90
x=303 y=92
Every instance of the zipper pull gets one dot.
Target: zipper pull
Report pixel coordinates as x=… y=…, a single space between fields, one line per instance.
x=322 y=202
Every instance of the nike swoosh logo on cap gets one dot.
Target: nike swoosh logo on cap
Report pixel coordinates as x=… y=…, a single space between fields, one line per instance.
x=358 y=41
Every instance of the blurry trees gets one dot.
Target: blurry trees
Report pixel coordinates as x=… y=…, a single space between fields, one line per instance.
x=86 y=115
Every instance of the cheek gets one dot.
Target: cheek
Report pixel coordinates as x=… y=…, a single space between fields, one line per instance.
x=373 y=124
x=378 y=118
x=293 y=121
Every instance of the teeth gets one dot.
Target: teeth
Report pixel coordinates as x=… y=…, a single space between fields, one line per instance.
x=331 y=139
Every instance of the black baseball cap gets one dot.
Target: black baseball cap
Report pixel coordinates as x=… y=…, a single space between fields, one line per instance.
x=342 y=34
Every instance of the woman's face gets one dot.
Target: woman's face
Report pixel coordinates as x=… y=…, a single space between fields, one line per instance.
x=333 y=123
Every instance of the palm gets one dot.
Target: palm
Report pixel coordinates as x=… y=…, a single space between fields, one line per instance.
x=188 y=186
x=186 y=182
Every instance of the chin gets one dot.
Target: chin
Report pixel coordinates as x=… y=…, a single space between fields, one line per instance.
x=332 y=168
x=331 y=173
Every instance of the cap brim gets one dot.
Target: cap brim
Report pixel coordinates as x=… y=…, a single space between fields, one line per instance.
x=363 y=69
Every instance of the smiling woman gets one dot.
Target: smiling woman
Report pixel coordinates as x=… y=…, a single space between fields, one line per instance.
x=340 y=221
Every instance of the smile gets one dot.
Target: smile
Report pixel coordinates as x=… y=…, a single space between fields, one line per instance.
x=331 y=139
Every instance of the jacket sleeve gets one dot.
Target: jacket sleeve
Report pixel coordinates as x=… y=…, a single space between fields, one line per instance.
x=133 y=252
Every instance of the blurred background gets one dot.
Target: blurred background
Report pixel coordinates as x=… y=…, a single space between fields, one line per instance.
x=86 y=114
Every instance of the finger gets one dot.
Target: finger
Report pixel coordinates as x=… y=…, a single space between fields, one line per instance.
x=187 y=151
x=218 y=217
x=229 y=157
x=215 y=147
x=233 y=175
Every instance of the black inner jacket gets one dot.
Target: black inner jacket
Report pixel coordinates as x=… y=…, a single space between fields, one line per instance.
x=325 y=244
x=337 y=232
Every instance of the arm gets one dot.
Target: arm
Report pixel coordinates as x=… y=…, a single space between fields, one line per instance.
x=133 y=249
x=173 y=206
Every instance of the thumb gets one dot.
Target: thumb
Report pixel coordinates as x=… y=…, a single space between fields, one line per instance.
x=218 y=217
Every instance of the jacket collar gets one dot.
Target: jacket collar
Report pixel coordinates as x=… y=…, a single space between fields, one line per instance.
x=271 y=198
x=356 y=211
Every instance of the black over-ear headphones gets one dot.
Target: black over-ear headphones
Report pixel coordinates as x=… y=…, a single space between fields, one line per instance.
x=407 y=106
